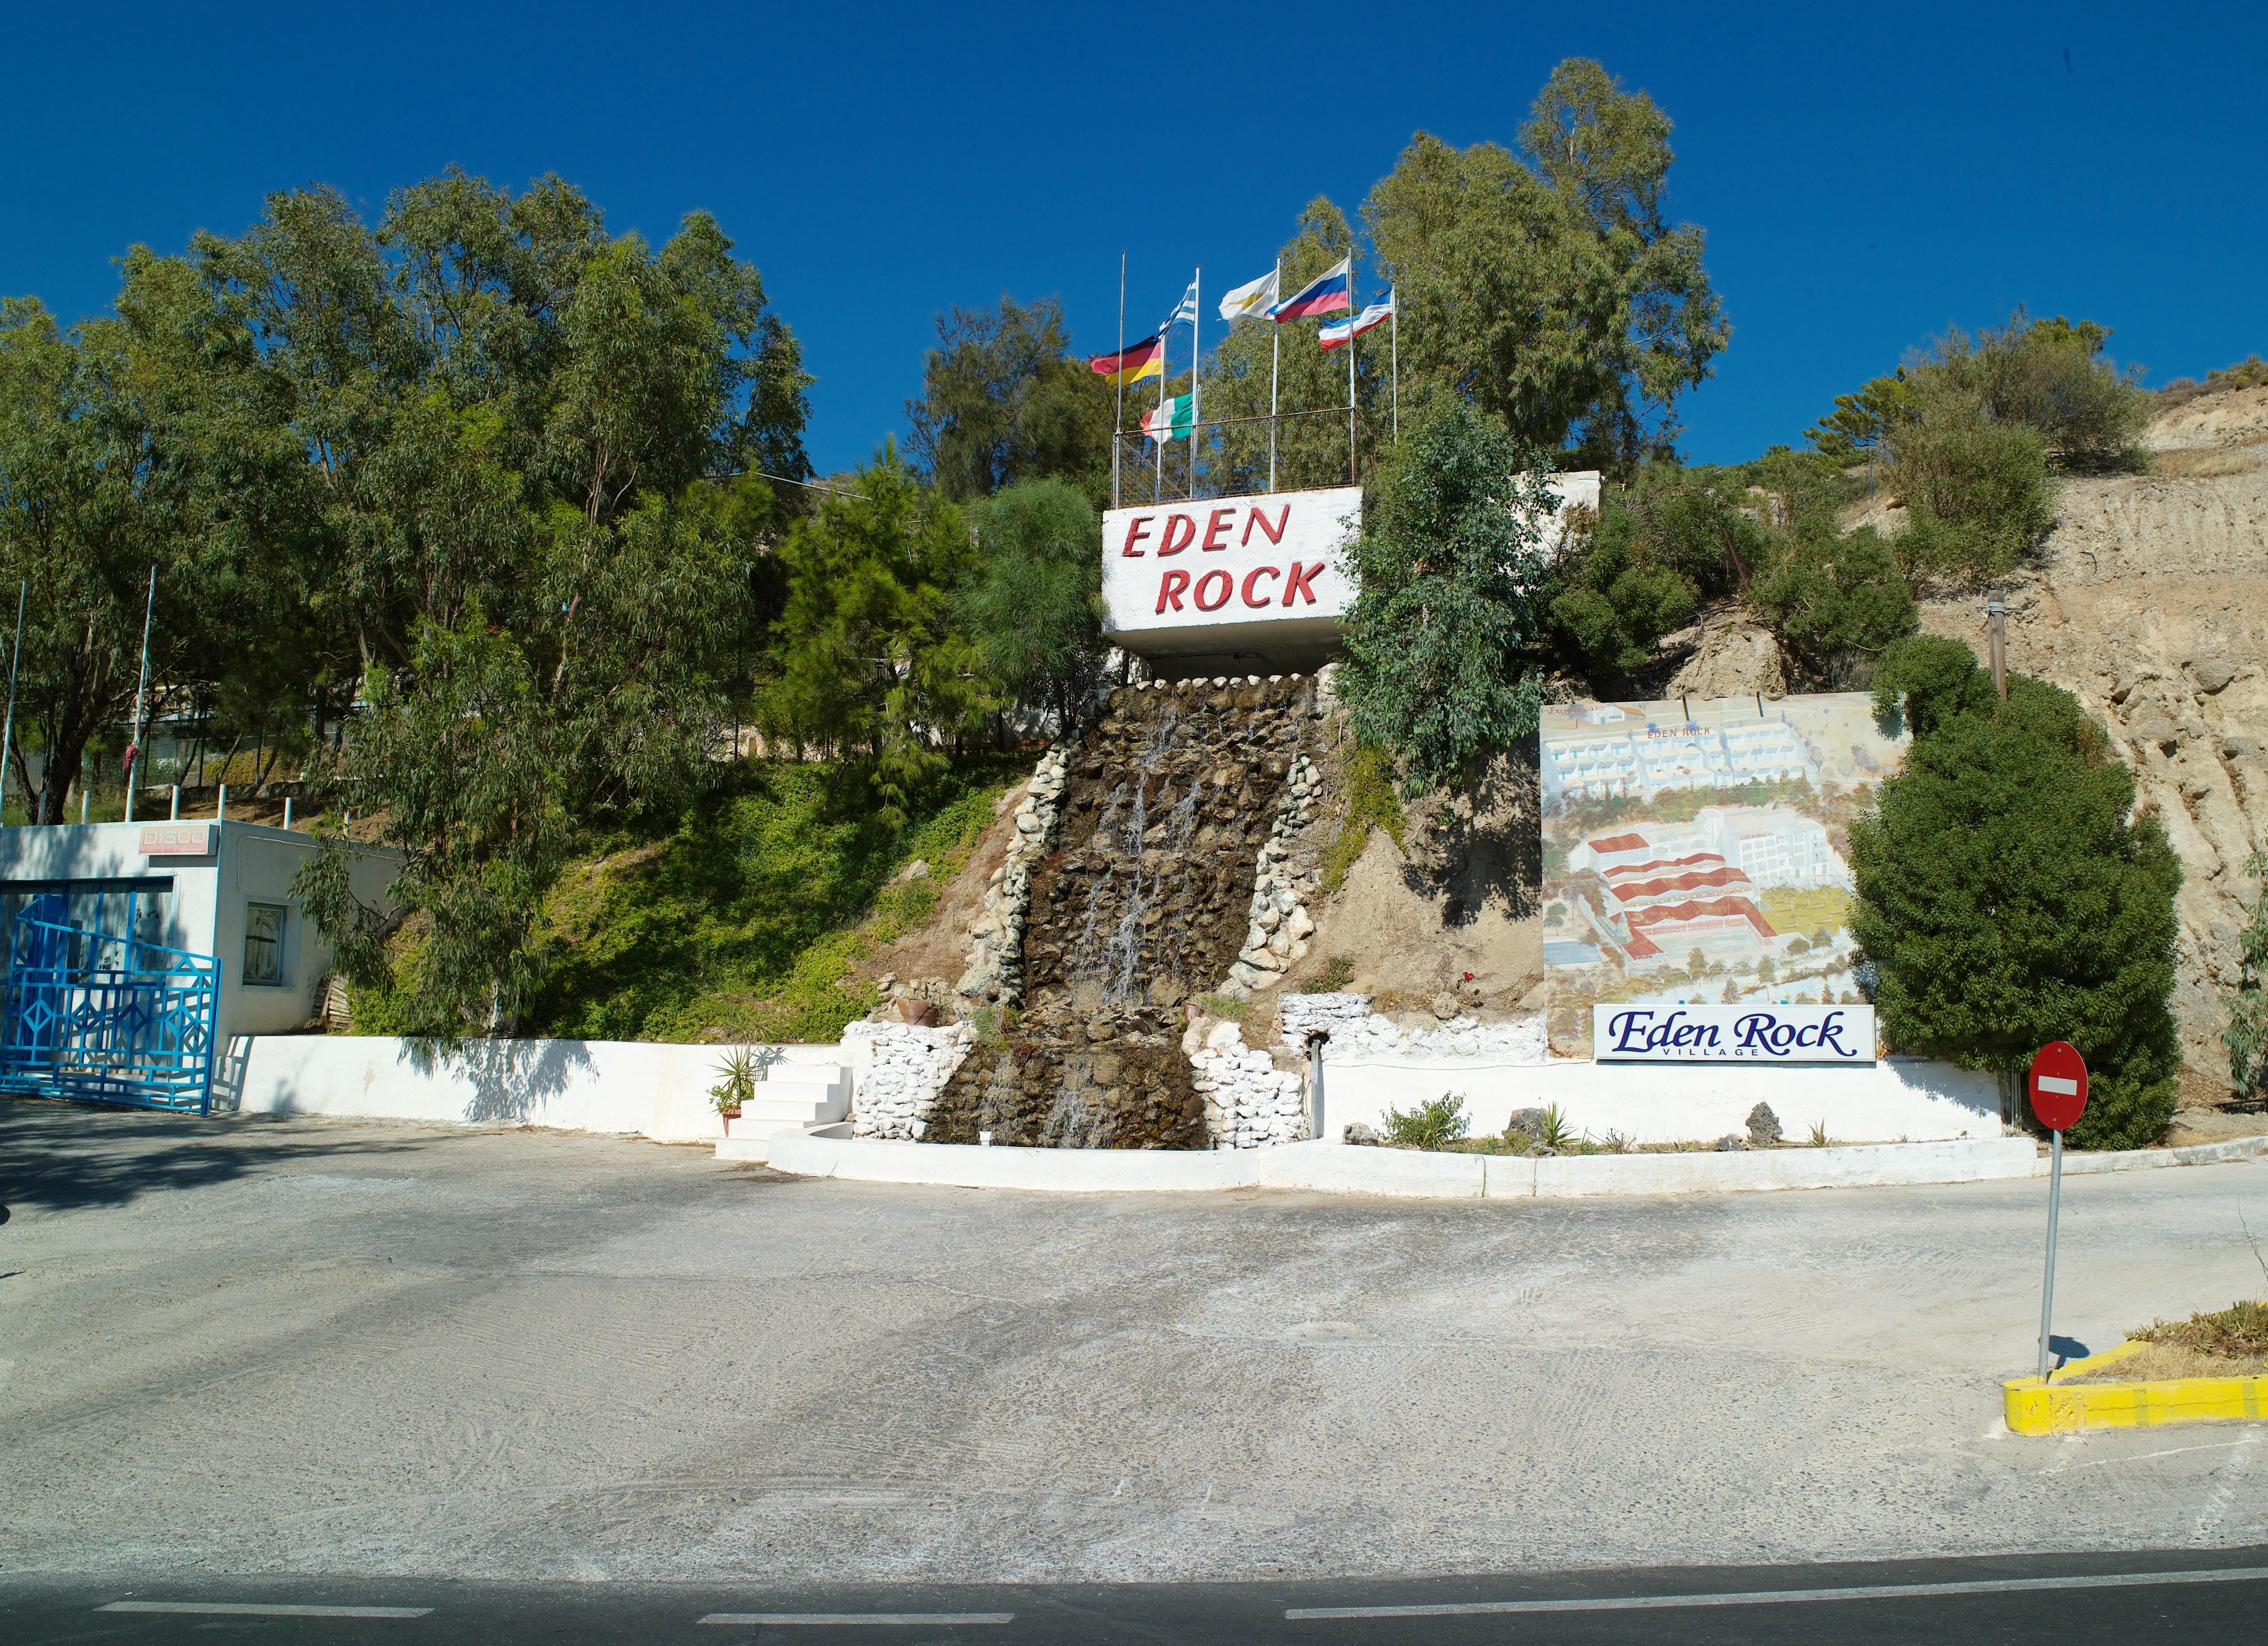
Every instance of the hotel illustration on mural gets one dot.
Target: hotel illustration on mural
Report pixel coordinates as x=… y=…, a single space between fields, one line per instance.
x=1698 y=852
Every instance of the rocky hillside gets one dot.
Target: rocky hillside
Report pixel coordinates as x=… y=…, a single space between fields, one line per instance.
x=2150 y=604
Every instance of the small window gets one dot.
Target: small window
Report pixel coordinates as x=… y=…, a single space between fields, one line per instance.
x=263 y=943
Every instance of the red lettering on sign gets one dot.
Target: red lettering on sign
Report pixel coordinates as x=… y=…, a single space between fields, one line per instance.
x=1254 y=576
x=1228 y=583
x=1189 y=534
x=1218 y=524
x=1298 y=583
x=1170 y=588
x=1137 y=529
x=1274 y=533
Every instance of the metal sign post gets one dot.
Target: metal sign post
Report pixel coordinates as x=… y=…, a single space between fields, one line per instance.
x=2058 y=1093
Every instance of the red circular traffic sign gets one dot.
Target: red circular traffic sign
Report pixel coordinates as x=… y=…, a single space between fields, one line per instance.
x=2058 y=1086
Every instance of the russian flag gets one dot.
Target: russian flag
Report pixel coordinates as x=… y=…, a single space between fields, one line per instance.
x=1330 y=292
x=1339 y=330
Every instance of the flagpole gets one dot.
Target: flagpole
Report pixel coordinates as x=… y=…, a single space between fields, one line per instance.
x=1118 y=418
x=1196 y=354
x=1353 y=477
x=1158 y=435
x=1274 y=362
x=134 y=749
x=8 y=737
x=1394 y=345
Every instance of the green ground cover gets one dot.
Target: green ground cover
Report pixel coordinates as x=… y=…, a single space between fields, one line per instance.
x=743 y=920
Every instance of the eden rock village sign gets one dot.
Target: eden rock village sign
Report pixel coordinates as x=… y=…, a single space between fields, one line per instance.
x=1762 y=1033
x=1222 y=580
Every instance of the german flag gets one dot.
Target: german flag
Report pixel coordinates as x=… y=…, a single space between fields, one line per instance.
x=1132 y=364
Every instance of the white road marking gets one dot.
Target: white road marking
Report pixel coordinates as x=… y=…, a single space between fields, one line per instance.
x=2224 y=1491
x=838 y=1619
x=1784 y=1596
x=248 y=1609
x=2139 y=1456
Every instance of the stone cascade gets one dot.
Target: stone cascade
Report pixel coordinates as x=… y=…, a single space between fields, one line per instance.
x=1144 y=902
x=1279 y=924
x=998 y=933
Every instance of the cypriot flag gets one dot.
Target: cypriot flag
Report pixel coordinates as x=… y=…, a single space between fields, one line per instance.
x=1251 y=300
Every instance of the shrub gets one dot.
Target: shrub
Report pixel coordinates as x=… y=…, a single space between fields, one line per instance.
x=2008 y=899
x=1977 y=491
x=1430 y=1126
x=2050 y=376
x=1834 y=603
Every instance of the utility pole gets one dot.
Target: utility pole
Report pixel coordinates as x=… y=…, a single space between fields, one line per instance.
x=1996 y=631
x=133 y=748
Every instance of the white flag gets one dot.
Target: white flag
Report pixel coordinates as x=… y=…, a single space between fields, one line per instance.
x=1253 y=299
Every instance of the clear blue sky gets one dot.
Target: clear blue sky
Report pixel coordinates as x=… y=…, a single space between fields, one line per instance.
x=1866 y=175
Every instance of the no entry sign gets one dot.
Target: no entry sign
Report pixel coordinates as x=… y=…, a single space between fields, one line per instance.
x=2058 y=1086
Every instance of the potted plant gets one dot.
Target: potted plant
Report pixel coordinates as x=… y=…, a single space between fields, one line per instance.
x=741 y=1070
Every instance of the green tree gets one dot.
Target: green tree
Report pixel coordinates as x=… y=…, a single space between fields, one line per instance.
x=1547 y=286
x=869 y=662
x=507 y=458
x=1004 y=401
x=1034 y=605
x=1436 y=666
x=2007 y=897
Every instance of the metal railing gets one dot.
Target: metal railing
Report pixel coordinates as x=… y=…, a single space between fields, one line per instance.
x=106 y=1018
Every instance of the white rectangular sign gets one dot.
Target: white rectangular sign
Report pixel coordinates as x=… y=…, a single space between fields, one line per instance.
x=1629 y=1032
x=1211 y=575
x=176 y=839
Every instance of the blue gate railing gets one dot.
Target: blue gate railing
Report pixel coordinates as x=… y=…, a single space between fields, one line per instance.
x=114 y=1019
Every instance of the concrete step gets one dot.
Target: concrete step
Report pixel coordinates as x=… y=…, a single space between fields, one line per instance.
x=755 y=1143
x=796 y=1095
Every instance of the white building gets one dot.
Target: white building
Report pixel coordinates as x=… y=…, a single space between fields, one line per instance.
x=1773 y=845
x=108 y=924
x=1617 y=755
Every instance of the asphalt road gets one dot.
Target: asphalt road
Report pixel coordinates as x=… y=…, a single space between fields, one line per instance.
x=2054 y=1601
x=254 y=1351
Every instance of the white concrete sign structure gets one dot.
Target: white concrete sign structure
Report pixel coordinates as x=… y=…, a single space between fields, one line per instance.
x=1632 y=1032
x=1228 y=575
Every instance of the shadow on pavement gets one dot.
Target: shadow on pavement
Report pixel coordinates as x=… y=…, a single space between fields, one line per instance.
x=63 y=1156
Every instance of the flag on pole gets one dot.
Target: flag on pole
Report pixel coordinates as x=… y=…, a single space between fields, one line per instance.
x=1377 y=314
x=1133 y=362
x=1330 y=292
x=1187 y=312
x=1252 y=299
x=1176 y=417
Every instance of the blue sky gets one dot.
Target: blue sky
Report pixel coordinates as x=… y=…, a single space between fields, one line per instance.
x=1866 y=175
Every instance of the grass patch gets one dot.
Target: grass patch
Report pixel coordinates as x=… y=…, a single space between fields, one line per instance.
x=1337 y=973
x=1371 y=800
x=743 y=921
x=2203 y=465
x=2238 y=1332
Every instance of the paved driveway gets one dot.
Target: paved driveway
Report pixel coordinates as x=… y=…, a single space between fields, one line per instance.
x=253 y=1345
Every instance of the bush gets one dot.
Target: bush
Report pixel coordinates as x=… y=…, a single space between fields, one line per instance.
x=1034 y=605
x=2246 y=1037
x=1430 y=1126
x=2008 y=899
x=1977 y=491
x=2049 y=376
x=1834 y=603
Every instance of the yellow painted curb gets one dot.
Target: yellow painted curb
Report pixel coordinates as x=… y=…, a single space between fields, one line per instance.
x=2061 y=1409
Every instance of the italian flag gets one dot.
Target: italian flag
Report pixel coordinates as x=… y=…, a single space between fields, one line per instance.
x=1173 y=419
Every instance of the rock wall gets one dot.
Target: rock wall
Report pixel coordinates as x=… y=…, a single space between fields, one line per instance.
x=1140 y=899
x=897 y=1070
x=997 y=932
x=1357 y=1031
x=1250 y=1101
x=2151 y=608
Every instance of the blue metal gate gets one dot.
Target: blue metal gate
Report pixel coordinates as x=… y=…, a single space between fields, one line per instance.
x=111 y=1018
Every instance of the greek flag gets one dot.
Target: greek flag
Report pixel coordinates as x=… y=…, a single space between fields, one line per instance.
x=1187 y=312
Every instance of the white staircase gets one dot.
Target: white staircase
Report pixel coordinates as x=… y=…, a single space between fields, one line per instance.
x=799 y=1098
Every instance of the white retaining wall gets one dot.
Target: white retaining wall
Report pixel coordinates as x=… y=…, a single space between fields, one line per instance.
x=896 y=1072
x=1882 y=1103
x=656 y=1091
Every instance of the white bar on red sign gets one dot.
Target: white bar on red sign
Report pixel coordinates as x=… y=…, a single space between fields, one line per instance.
x=2056 y=1083
x=1641 y=1032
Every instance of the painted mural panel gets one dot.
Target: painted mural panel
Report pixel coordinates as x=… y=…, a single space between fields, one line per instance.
x=1699 y=852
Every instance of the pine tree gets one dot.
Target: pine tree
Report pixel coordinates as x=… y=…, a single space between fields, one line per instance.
x=2007 y=898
